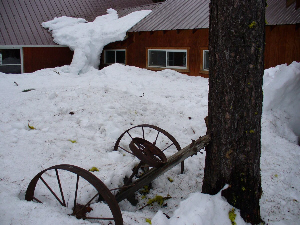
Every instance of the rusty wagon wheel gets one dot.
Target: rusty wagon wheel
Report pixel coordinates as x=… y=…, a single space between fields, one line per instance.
x=78 y=190
x=147 y=152
x=158 y=137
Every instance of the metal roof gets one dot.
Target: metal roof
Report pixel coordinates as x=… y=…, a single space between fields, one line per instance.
x=125 y=11
x=277 y=13
x=194 y=14
x=176 y=14
x=20 y=20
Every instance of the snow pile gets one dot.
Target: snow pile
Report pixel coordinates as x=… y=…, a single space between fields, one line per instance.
x=87 y=39
x=200 y=209
x=96 y=108
x=282 y=99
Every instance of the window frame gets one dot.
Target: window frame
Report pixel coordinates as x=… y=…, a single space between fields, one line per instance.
x=204 y=66
x=202 y=52
x=115 y=50
x=168 y=49
x=21 y=57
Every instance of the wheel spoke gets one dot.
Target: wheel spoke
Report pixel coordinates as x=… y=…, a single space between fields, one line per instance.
x=168 y=147
x=156 y=138
x=129 y=134
x=143 y=133
x=51 y=191
x=75 y=199
x=86 y=204
x=126 y=150
x=37 y=199
x=60 y=188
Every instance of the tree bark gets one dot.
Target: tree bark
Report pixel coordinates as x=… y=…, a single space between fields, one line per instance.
x=236 y=48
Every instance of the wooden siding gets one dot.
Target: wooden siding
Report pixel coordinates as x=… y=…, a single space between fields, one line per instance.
x=36 y=58
x=137 y=43
x=282 y=46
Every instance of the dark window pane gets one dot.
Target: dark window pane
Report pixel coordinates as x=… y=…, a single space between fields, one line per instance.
x=177 y=59
x=157 y=58
x=120 y=57
x=205 y=60
x=110 y=57
x=10 y=69
x=10 y=56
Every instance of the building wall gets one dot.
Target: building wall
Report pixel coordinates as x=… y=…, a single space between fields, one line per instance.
x=137 y=43
x=36 y=58
x=282 y=46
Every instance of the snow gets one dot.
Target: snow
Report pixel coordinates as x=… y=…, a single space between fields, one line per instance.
x=87 y=39
x=282 y=99
x=107 y=102
x=77 y=120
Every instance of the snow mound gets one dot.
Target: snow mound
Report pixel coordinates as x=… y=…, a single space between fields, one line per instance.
x=282 y=99
x=87 y=39
x=200 y=209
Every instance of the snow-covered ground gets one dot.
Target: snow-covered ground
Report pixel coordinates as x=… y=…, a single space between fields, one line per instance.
x=94 y=109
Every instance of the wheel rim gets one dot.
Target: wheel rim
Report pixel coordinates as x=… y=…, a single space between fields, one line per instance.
x=51 y=187
x=139 y=131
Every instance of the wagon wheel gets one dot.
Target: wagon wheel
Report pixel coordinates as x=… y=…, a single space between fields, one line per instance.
x=147 y=152
x=153 y=134
x=76 y=189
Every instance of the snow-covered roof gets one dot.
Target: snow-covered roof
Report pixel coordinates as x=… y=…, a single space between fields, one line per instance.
x=20 y=20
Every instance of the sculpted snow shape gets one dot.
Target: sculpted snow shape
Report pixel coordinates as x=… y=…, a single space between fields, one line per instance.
x=87 y=39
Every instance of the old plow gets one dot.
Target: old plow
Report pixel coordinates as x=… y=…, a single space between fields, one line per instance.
x=78 y=189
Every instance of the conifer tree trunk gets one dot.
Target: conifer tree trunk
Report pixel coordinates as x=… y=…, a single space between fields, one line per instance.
x=236 y=48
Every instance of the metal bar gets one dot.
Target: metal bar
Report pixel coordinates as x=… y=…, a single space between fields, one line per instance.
x=60 y=188
x=168 y=147
x=37 y=199
x=51 y=191
x=75 y=199
x=82 y=208
x=129 y=134
x=156 y=138
x=125 y=150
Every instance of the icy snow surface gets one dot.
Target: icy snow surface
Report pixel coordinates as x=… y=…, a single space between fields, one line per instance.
x=103 y=104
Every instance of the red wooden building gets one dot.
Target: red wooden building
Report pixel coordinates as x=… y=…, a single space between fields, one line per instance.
x=174 y=35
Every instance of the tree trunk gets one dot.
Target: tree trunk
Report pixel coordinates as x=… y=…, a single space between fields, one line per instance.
x=236 y=48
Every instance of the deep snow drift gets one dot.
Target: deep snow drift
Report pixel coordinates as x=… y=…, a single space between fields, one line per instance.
x=93 y=110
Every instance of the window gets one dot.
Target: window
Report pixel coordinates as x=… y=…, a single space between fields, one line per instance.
x=115 y=56
x=10 y=61
x=206 y=60
x=167 y=58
